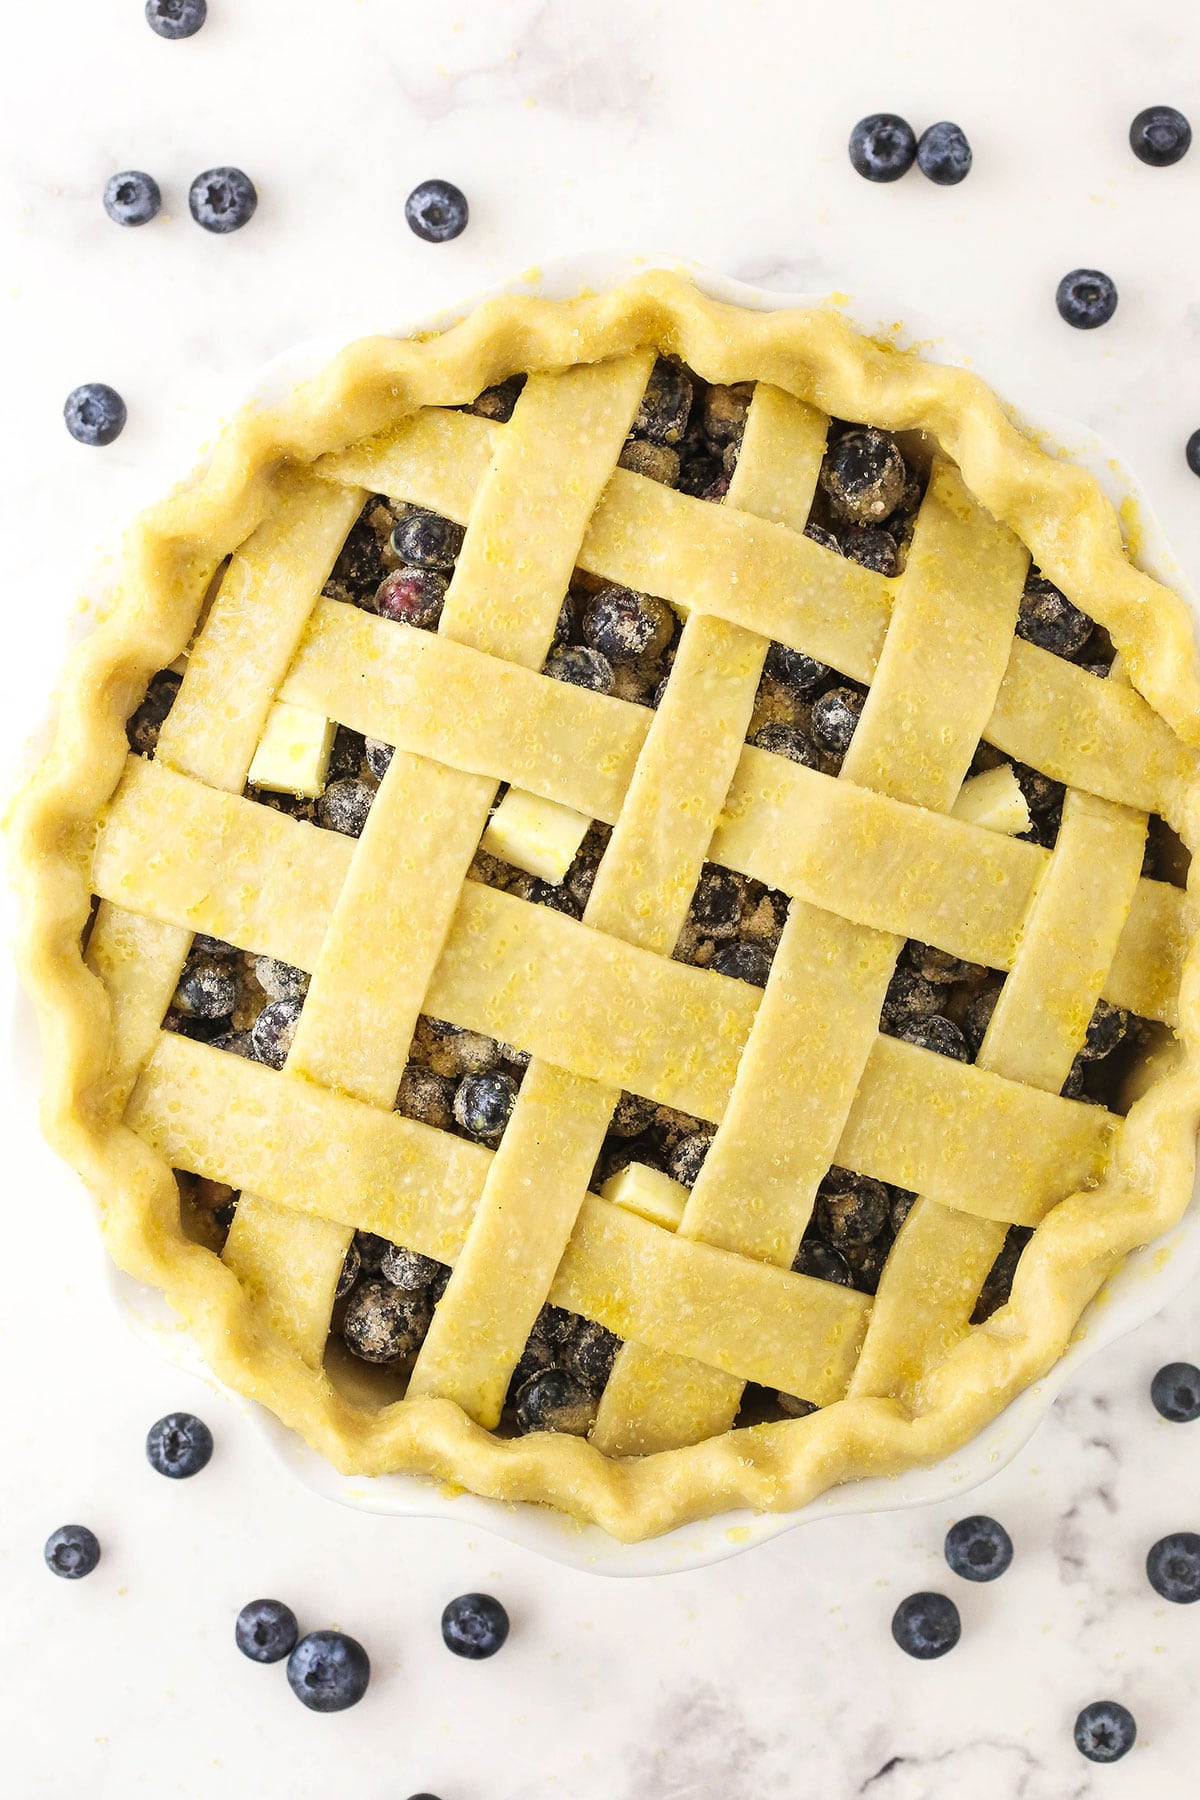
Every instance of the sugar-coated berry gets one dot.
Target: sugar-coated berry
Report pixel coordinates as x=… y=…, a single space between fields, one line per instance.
x=483 y=1103
x=1173 y=1567
x=1105 y=1731
x=926 y=1625
x=943 y=153
x=657 y=462
x=474 y=1626
x=280 y=979
x=1175 y=1392
x=883 y=147
x=498 y=402
x=716 y=908
x=1086 y=298
x=222 y=200
x=743 y=961
x=978 y=1548
x=427 y=1096
x=864 y=476
x=273 y=1030
x=408 y=1269
x=132 y=197
x=344 y=806
x=590 y=1353
x=72 y=1552
x=871 y=547
x=95 y=414
x=144 y=725
x=384 y=1324
x=851 y=1209
x=582 y=666
x=427 y=541
x=208 y=987
x=835 y=717
x=555 y=1401
x=804 y=674
x=266 y=1631
x=624 y=626
x=687 y=1158
x=935 y=1033
x=787 y=740
x=1106 y=1029
x=822 y=1262
x=663 y=410
x=412 y=597
x=176 y=18
x=437 y=211
x=179 y=1445
x=1160 y=136
x=1049 y=620
x=328 y=1671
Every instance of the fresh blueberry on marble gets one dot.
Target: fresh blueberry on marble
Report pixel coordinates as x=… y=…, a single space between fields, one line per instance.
x=1175 y=1392
x=1160 y=136
x=72 y=1552
x=328 y=1671
x=883 y=147
x=222 y=200
x=266 y=1631
x=437 y=211
x=926 y=1625
x=132 y=197
x=1104 y=1731
x=1192 y=452
x=176 y=18
x=474 y=1626
x=95 y=414
x=943 y=153
x=179 y=1445
x=978 y=1548
x=1173 y=1567
x=1086 y=298
x=482 y=1104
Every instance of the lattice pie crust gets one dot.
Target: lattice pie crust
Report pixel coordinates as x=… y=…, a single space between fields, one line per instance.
x=796 y=1077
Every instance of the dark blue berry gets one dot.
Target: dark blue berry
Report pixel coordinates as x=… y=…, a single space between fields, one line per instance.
x=474 y=1626
x=663 y=410
x=95 y=414
x=385 y=1324
x=72 y=1552
x=789 y=741
x=871 y=547
x=624 y=626
x=1192 y=452
x=978 y=1548
x=437 y=211
x=687 y=1158
x=412 y=597
x=1160 y=135
x=1175 y=1392
x=555 y=1401
x=273 y=1031
x=822 y=1263
x=834 y=719
x=1086 y=298
x=1104 y=1731
x=208 y=987
x=864 y=476
x=280 y=979
x=427 y=541
x=743 y=961
x=851 y=1209
x=1106 y=1029
x=144 y=726
x=222 y=200
x=328 y=1671
x=582 y=666
x=482 y=1103
x=591 y=1352
x=132 y=197
x=266 y=1631
x=793 y=669
x=179 y=1445
x=935 y=1033
x=1173 y=1567
x=944 y=154
x=926 y=1625
x=408 y=1269
x=883 y=147
x=344 y=806
x=1049 y=620
x=176 y=18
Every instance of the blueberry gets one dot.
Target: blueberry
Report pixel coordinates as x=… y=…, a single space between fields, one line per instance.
x=344 y=807
x=926 y=1625
x=864 y=476
x=883 y=147
x=384 y=1324
x=179 y=1445
x=701 y=476
x=582 y=666
x=978 y=1548
x=426 y=1096
x=266 y=1631
x=943 y=153
x=590 y=1354
x=482 y=1104
x=328 y=1671
x=1160 y=135
x=1175 y=1392
x=662 y=413
x=412 y=597
x=1192 y=452
x=555 y=1401
x=437 y=211
x=743 y=961
x=716 y=908
x=474 y=1626
x=1104 y=1731
x=978 y=1017
x=789 y=741
x=687 y=1158
x=371 y=1250
x=351 y=1270
x=273 y=1031
x=176 y=18
x=427 y=540
x=222 y=200
x=834 y=719
x=143 y=727
x=624 y=626
x=823 y=1264
x=408 y=1269
x=95 y=414
x=1049 y=620
x=935 y=1033
x=208 y=987
x=1086 y=298
x=72 y=1552
x=280 y=979
x=132 y=197
x=379 y=757
x=872 y=548
x=1106 y=1029
x=851 y=1209
x=498 y=402
x=795 y=670
x=1173 y=1567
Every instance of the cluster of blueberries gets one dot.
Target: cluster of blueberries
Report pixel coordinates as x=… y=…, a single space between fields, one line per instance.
x=927 y=1625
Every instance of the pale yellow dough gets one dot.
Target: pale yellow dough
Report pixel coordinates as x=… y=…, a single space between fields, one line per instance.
x=700 y=1284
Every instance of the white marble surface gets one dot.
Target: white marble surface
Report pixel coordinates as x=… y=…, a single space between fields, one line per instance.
x=707 y=130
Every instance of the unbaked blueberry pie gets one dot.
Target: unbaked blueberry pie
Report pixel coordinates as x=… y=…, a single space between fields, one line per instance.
x=609 y=906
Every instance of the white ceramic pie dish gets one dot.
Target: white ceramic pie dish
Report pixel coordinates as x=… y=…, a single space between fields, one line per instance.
x=1146 y=1282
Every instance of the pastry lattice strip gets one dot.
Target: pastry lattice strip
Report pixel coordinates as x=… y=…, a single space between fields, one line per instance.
x=754 y=571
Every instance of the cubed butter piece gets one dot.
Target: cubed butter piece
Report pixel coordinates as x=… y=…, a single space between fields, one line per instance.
x=293 y=752
x=536 y=835
x=647 y=1192
x=993 y=800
